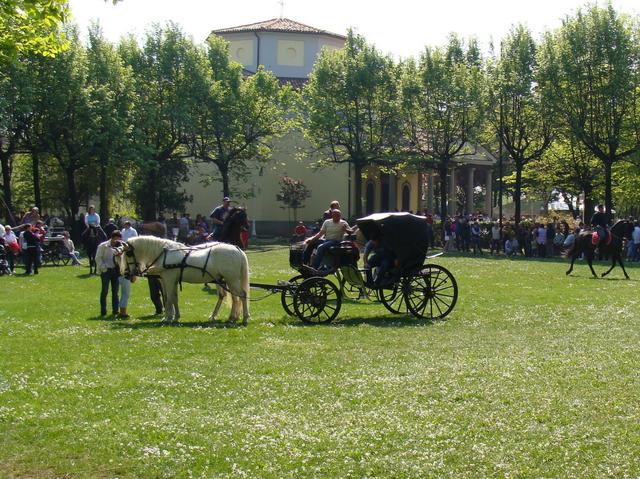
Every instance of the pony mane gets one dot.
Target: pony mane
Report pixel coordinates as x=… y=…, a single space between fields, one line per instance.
x=157 y=242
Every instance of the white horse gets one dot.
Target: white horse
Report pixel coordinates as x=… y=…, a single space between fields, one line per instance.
x=175 y=263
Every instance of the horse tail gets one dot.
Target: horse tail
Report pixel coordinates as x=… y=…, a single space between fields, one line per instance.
x=244 y=271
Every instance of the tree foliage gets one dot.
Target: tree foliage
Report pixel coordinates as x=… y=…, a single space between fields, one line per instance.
x=293 y=193
x=590 y=72
x=31 y=26
x=443 y=106
x=235 y=118
x=516 y=110
x=351 y=107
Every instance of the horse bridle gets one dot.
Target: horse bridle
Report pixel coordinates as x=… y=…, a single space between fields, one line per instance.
x=129 y=253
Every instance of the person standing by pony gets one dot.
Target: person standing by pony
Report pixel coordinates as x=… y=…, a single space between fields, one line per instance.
x=217 y=217
x=109 y=272
x=127 y=233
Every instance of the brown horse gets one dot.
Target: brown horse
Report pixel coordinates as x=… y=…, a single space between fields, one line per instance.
x=235 y=221
x=154 y=228
x=91 y=238
x=583 y=245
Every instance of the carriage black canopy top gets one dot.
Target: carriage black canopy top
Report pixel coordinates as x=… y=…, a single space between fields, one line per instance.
x=403 y=233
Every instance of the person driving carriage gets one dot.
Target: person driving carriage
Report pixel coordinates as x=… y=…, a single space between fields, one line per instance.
x=600 y=220
x=330 y=234
x=377 y=256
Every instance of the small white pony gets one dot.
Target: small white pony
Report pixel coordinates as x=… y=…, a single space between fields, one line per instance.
x=175 y=263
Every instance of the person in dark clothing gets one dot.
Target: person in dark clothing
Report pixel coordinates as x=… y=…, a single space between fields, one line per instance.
x=155 y=293
x=32 y=240
x=110 y=227
x=600 y=220
x=377 y=256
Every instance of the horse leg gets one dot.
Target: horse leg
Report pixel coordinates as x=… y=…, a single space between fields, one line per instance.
x=169 y=294
x=221 y=294
x=613 y=265
x=589 y=256
x=573 y=259
x=245 y=309
x=622 y=266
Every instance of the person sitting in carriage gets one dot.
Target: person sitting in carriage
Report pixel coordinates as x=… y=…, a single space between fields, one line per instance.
x=331 y=234
x=600 y=221
x=377 y=256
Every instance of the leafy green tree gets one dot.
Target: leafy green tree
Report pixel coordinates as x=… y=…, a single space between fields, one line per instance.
x=589 y=71
x=236 y=118
x=16 y=112
x=516 y=111
x=110 y=86
x=165 y=71
x=443 y=106
x=63 y=118
x=293 y=193
x=31 y=26
x=351 y=107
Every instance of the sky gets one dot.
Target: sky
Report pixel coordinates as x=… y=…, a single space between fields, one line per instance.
x=399 y=27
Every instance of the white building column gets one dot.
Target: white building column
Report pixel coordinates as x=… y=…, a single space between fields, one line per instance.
x=469 y=191
x=451 y=202
x=488 y=200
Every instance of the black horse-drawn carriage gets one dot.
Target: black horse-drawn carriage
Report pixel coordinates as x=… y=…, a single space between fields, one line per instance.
x=424 y=290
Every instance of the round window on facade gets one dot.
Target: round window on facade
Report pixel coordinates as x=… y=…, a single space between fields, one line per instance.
x=291 y=53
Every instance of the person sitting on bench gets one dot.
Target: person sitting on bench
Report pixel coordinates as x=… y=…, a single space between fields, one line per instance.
x=330 y=234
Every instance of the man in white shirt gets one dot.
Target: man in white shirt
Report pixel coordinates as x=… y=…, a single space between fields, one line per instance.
x=128 y=231
x=635 y=236
x=333 y=230
x=109 y=272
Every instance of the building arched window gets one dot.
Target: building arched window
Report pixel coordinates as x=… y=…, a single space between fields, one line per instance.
x=406 y=197
x=370 y=198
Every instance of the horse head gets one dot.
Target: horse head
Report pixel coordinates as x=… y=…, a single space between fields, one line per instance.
x=623 y=229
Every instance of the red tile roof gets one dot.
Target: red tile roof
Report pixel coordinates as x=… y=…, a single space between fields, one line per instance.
x=277 y=25
x=295 y=83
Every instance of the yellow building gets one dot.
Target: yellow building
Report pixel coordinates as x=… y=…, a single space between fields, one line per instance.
x=289 y=49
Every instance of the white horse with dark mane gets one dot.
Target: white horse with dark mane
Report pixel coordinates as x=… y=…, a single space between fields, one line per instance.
x=174 y=263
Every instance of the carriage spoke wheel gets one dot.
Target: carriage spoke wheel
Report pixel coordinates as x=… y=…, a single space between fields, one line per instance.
x=286 y=297
x=432 y=293
x=392 y=298
x=317 y=300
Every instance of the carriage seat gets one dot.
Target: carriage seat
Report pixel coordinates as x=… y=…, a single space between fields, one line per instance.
x=345 y=254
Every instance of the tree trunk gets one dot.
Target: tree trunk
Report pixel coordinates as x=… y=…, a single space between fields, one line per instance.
x=357 y=169
x=35 y=168
x=224 y=174
x=608 y=196
x=104 y=195
x=73 y=201
x=588 y=205
x=569 y=203
x=5 y=160
x=442 y=173
x=517 y=195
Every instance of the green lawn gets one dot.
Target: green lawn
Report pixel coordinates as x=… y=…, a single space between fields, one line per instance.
x=533 y=375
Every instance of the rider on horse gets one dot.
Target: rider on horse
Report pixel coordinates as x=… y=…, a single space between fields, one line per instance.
x=600 y=220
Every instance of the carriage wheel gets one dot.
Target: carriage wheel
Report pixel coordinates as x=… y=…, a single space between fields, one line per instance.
x=55 y=259
x=432 y=293
x=317 y=300
x=392 y=298
x=286 y=297
x=65 y=260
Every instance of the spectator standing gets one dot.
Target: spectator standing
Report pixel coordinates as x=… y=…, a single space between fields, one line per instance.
x=31 y=240
x=31 y=217
x=127 y=233
x=495 y=238
x=109 y=272
x=475 y=238
x=110 y=227
x=541 y=240
x=551 y=234
x=12 y=246
x=636 y=241
x=217 y=217
x=184 y=227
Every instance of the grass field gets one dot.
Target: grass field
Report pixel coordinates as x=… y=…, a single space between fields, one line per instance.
x=533 y=375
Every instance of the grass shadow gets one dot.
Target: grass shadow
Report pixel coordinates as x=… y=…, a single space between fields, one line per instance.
x=86 y=276
x=179 y=324
x=395 y=321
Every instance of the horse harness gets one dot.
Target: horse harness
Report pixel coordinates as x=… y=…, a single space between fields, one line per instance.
x=130 y=253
